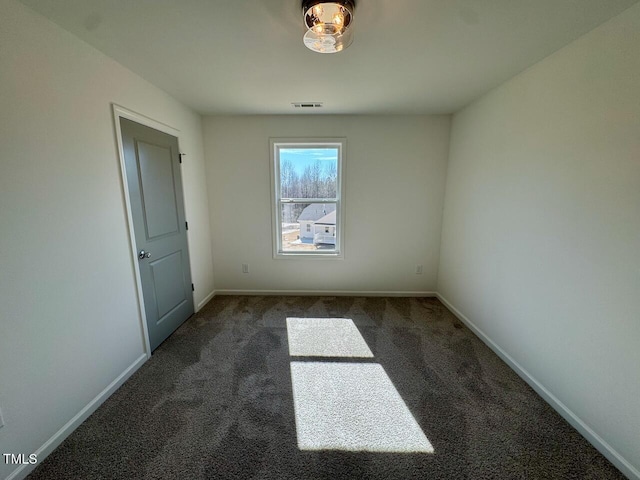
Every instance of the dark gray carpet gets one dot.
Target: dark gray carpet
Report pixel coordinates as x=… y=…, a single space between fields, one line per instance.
x=215 y=401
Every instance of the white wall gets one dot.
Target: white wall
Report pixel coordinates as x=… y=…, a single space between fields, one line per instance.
x=68 y=313
x=395 y=171
x=303 y=229
x=541 y=233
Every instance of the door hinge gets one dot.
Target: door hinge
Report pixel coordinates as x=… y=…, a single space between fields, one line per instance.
x=180 y=155
x=186 y=225
x=193 y=289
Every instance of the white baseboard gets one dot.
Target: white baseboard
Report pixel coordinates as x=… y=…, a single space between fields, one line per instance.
x=58 y=437
x=598 y=442
x=327 y=293
x=205 y=300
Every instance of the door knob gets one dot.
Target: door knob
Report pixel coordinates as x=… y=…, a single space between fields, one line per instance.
x=142 y=255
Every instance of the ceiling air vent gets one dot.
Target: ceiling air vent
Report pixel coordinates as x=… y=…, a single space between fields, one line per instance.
x=307 y=105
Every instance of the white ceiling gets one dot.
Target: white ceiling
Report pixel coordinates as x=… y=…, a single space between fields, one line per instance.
x=408 y=56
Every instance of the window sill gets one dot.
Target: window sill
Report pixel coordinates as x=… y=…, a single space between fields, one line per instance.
x=308 y=256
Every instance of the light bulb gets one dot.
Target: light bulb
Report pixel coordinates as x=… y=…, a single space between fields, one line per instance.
x=328 y=25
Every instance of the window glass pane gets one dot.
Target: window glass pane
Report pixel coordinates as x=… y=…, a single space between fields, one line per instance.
x=308 y=172
x=309 y=227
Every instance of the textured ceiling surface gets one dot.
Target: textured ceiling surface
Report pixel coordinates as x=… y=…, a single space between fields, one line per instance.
x=408 y=56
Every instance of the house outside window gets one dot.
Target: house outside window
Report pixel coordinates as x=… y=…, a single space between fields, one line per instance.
x=307 y=203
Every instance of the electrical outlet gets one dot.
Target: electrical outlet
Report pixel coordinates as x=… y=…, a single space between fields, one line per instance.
x=418 y=269
x=1 y=420
x=245 y=268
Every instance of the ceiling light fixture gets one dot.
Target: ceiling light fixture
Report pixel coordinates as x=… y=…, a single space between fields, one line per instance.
x=328 y=25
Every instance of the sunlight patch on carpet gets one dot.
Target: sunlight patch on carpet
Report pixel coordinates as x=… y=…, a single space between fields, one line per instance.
x=325 y=337
x=352 y=407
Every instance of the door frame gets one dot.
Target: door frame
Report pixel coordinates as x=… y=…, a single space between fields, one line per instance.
x=118 y=113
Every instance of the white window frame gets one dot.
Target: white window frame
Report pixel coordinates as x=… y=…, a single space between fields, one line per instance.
x=276 y=201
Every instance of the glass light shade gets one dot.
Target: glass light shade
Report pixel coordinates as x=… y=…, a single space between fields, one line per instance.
x=328 y=26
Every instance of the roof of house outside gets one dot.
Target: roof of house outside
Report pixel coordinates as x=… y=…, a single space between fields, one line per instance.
x=329 y=219
x=316 y=211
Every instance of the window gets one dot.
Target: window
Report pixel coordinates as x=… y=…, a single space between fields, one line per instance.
x=307 y=197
